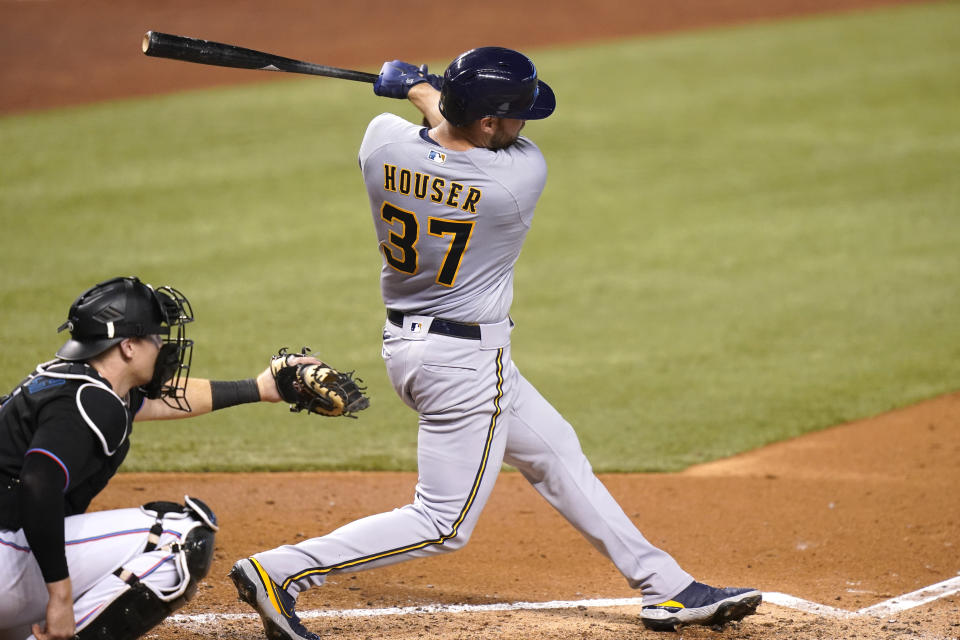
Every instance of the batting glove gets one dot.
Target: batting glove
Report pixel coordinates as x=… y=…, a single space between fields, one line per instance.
x=397 y=77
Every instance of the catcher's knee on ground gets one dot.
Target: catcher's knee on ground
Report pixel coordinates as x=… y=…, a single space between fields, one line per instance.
x=138 y=607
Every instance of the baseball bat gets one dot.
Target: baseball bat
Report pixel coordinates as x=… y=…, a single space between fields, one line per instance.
x=166 y=45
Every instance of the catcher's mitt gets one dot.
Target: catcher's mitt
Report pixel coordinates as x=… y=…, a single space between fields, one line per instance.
x=317 y=388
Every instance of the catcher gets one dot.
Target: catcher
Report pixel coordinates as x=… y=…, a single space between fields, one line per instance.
x=65 y=430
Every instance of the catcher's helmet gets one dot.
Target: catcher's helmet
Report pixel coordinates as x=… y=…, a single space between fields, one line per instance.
x=494 y=81
x=119 y=308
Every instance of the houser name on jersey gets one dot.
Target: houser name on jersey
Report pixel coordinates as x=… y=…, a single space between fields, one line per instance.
x=419 y=185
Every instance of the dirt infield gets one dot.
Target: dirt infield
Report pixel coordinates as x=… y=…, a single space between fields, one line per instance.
x=847 y=518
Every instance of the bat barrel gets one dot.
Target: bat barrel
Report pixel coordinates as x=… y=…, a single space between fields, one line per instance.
x=165 y=45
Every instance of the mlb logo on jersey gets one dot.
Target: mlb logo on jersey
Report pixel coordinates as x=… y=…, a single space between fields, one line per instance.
x=436 y=156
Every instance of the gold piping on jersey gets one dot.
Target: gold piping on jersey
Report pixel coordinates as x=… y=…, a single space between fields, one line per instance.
x=455 y=189
x=463 y=513
x=405 y=243
x=389 y=177
x=437 y=187
x=473 y=197
x=461 y=232
x=420 y=183
x=404 y=186
x=416 y=183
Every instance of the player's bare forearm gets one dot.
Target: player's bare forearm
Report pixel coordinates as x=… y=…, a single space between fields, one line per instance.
x=197 y=394
x=59 y=623
x=427 y=99
x=200 y=397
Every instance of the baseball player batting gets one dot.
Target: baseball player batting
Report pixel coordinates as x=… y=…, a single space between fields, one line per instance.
x=451 y=204
x=64 y=432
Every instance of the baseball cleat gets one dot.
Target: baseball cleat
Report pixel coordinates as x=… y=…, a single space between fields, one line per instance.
x=701 y=604
x=275 y=605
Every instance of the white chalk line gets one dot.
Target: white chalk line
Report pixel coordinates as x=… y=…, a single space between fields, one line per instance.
x=882 y=609
x=915 y=598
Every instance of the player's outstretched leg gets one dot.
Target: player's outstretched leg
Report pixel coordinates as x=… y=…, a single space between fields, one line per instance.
x=701 y=604
x=275 y=606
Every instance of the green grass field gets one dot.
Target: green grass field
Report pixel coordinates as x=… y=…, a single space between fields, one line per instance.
x=748 y=234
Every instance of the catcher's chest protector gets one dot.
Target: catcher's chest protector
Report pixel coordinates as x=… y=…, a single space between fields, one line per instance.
x=75 y=400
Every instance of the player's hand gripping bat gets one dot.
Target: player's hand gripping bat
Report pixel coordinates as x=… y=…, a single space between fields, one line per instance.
x=165 y=45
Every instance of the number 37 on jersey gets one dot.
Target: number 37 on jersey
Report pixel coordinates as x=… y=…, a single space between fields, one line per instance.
x=400 y=249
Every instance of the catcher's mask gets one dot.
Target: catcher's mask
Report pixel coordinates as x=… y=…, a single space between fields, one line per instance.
x=494 y=81
x=121 y=308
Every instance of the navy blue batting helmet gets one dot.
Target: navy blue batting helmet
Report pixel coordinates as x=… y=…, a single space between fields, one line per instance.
x=494 y=81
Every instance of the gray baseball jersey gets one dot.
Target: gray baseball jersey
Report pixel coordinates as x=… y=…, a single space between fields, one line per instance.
x=448 y=245
x=450 y=226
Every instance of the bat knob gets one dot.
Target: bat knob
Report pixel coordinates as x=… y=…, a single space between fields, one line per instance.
x=147 y=37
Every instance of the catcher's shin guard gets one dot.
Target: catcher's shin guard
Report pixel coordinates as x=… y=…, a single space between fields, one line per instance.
x=138 y=608
x=130 y=615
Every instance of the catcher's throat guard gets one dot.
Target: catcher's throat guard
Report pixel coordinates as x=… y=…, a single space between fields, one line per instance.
x=172 y=370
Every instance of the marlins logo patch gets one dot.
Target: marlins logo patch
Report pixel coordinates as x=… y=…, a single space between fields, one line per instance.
x=436 y=156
